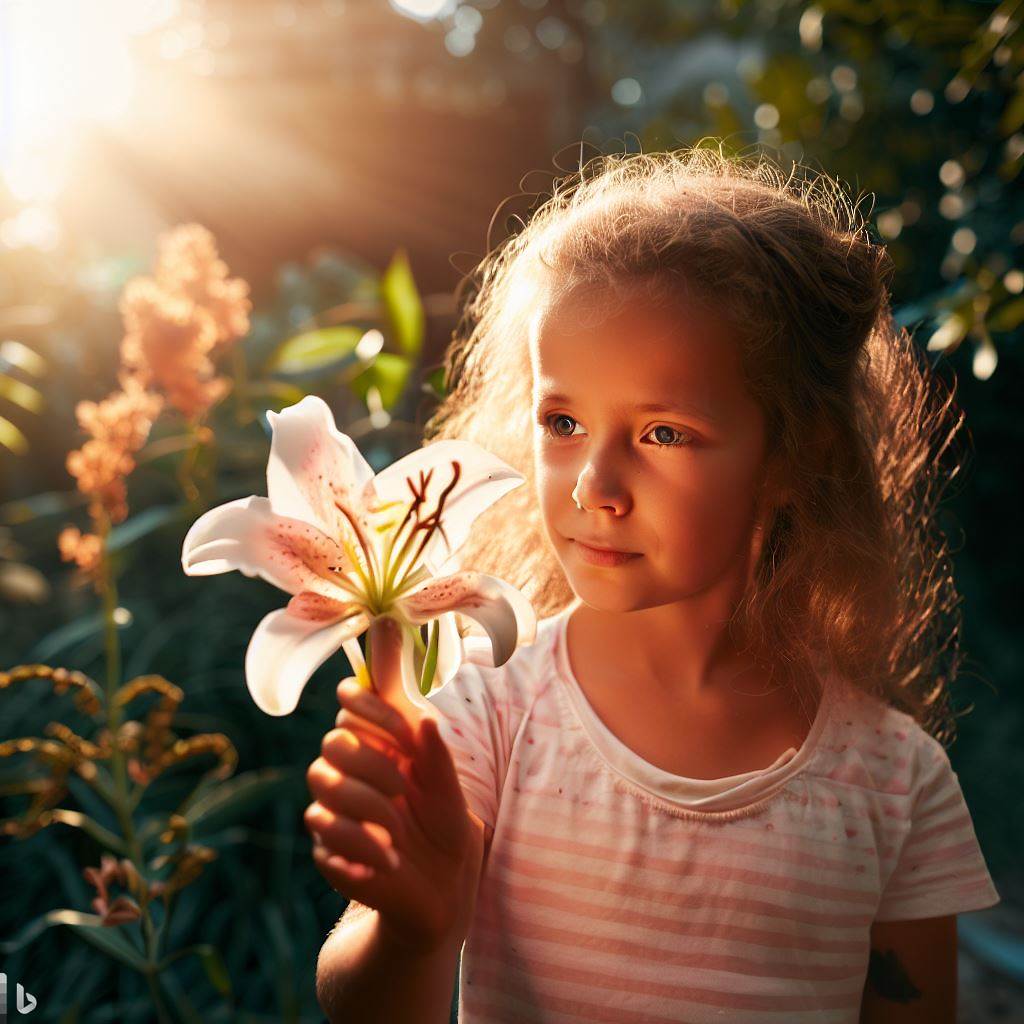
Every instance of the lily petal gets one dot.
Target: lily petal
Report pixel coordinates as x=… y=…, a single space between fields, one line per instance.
x=318 y=608
x=449 y=650
x=246 y=535
x=503 y=611
x=285 y=651
x=482 y=478
x=314 y=468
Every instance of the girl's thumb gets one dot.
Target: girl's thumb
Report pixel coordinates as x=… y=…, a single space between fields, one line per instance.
x=438 y=767
x=384 y=641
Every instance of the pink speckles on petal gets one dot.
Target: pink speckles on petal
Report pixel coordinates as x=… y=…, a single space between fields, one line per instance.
x=318 y=608
x=850 y=833
x=456 y=591
x=900 y=734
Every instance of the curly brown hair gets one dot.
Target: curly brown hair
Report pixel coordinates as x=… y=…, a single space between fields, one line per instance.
x=854 y=572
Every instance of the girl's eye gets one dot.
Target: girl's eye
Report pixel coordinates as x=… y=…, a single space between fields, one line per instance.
x=684 y=439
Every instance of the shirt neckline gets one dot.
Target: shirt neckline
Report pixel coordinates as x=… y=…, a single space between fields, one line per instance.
x=702 y=795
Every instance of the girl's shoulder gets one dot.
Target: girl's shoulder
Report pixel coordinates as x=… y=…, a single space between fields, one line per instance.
x=873 y=744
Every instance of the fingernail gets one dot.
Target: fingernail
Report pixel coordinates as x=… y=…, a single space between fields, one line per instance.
x=392 y=857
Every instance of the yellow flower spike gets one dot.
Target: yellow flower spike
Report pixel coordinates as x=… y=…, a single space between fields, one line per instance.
x=146 y=684
x=86 y=690
x=82 y=747
x=205 y=743
x=177 y=827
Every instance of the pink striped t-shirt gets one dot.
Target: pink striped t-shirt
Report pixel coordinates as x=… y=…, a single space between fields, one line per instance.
x=617 y=892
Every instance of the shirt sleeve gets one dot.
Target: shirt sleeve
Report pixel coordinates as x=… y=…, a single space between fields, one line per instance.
x=475 y=723
x=940 y=869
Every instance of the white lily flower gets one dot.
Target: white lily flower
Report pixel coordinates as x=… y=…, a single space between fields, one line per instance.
x=350 y=546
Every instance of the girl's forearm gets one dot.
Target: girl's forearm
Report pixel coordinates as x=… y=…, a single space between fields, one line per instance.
x=363 y=976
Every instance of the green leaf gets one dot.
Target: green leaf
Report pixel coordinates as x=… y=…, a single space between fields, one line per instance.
x=430 y=661
x=233 y=798
x=14 y=353
x=388 y=373
x=402 y=300
x=284 y=392
x=89 y=825
x=19 y=393
x=216 y=971
x=212 y=961
x=314 y=350
x=107 y=939
x=64 y=636
x=47 y=503
x=951 y=332
x=12 y=438
x=434 y=382
x=1008 y=316
x=138 y=526
x=1013 y=115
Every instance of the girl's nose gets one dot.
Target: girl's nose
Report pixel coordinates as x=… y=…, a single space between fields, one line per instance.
x=594 y=492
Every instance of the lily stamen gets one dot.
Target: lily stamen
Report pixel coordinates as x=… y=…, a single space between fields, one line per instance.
x=418 y=498
x=363 y=543
x=435 y=519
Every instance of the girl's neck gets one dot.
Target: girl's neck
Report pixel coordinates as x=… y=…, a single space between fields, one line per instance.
x=684 y=649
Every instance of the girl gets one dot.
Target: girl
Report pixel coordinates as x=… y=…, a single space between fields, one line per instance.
x=715 y=787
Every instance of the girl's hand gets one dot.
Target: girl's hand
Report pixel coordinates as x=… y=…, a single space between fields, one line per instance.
x=385 y=784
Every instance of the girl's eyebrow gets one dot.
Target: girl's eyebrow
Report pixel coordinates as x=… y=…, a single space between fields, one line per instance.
x=692 y=410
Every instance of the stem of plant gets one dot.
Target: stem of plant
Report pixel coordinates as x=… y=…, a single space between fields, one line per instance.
x=243 y=412
x=121 y=801
x=185 y=468
x=153 y=980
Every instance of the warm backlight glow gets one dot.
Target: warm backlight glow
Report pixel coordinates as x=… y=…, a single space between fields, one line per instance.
x=64 y=64
x=424 y=10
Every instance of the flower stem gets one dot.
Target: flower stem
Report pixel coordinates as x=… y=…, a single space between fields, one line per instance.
x=185 y=468
x=243 y=411
x=120 y=797
x=152 y=979
x=113 y=683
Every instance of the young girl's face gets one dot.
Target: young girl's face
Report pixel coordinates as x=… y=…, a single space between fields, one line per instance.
x=677 y=486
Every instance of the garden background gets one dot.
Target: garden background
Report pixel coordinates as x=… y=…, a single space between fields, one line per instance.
x=349 y=160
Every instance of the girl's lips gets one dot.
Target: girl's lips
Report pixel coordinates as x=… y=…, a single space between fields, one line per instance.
x=603 y=557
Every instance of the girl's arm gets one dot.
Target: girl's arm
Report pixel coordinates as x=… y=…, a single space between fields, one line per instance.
x=912 y=973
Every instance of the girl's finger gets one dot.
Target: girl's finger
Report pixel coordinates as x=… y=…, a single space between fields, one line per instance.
x=353 y=697
x=346 y=876
x=348 y=797
x=373 y=735
x=348 y=838
x=348 y=752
